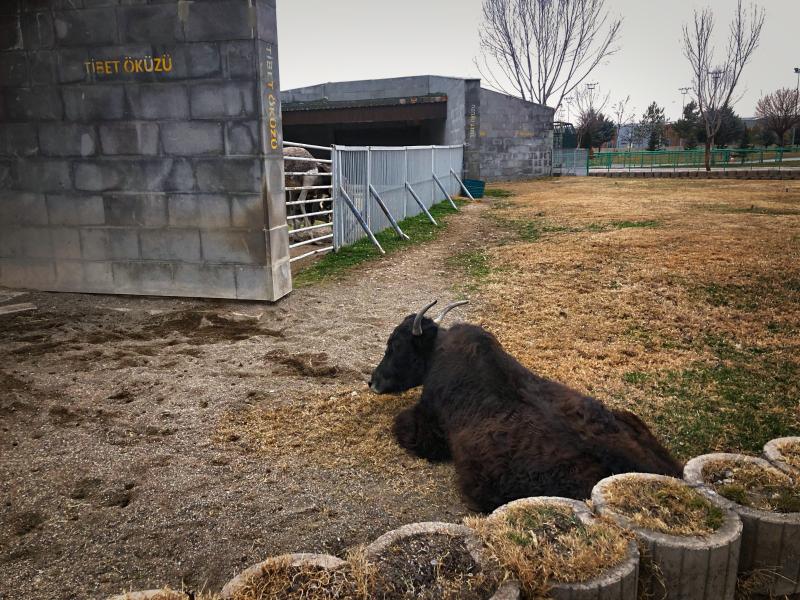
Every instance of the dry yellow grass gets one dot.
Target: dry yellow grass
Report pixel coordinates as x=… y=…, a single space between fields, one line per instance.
x=751 y=485
x=669 y=298
x=542 y=545
x=342 y=430
x=791 y=454
x=280 y=580
x=666 y=507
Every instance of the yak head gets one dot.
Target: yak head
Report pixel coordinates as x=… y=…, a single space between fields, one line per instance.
x=408 y=352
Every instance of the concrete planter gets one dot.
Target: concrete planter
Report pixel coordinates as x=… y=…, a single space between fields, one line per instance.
x=617 y=583
x=691 y=567
x=507 y=591
x=315 y=560
x=774 y=454
x=770 y=541
x=152 y=595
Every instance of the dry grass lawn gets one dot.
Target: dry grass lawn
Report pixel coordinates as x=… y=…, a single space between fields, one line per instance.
x=678 y=300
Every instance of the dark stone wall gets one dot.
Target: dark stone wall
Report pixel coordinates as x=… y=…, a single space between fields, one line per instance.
x=137 y=154
x=516 y=138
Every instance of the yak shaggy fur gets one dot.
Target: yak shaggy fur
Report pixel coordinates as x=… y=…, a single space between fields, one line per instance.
x=510 y=433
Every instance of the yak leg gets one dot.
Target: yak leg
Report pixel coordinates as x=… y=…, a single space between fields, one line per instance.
x=418 y=431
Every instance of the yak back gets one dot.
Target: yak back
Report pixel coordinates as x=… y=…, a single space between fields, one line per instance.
x=472 y=380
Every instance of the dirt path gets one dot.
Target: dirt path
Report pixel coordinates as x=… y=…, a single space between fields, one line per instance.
x=148 y=441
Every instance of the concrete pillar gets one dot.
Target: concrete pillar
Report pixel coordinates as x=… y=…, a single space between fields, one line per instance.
x=140 y=149
x=472 y=106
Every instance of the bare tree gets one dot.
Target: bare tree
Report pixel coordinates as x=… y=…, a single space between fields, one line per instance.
x=780 y=111
x=714 y=83
x=590 y=104
x=542 y=50
x=621 y=115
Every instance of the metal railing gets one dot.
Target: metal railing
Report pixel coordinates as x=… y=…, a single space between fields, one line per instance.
x=720 y=158
x=375 y=187
x=309 y=215
x=571 y=161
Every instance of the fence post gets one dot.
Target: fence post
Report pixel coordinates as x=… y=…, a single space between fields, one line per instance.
x=461 y=183
x=367 y=203
x=421 y=203
x=360 y=219
x=441 y=187
x=385 y=210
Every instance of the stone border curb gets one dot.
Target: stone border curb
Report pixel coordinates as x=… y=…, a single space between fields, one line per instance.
x=617 y=583
x=326 y=561
x=769 y=540
x=508 y=590
x=774 y=454
x=150 y=594
x=693 y=567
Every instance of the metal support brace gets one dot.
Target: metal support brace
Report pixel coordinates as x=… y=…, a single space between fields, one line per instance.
x=385 y=210
x=461 y=183
x=444 y=190
x=360 y=219
x=421 y=205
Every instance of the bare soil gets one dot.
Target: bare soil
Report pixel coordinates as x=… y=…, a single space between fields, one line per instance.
x=137 y=447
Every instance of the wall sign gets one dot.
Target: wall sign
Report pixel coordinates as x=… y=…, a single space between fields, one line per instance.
x=129 y=64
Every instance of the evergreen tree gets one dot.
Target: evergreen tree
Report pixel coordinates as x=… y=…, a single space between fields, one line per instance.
x=652 y=126
x=689 y=125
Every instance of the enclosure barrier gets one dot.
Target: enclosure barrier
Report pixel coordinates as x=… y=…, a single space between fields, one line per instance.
x=687 y=160
x=572 y=161
x=376 y=187
x=693 y=578
x=309 y=216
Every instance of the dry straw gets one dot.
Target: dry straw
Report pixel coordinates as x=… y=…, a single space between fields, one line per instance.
x=542 y=545
x=753 y=485
x=664 y=506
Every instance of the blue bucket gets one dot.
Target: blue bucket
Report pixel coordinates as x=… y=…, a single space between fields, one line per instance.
x=476 y=187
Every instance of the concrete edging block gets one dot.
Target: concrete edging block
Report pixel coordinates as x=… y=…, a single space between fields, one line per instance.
x=774 y=454
x=617 y=583
x=324 y=561
x=692 y=567
x=770 y=541
x=508 y=590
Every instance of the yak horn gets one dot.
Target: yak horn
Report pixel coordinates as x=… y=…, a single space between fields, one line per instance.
x=417 y=328
x=447 y=309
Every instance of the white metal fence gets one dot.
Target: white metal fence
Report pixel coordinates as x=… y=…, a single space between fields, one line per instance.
x=401 y=181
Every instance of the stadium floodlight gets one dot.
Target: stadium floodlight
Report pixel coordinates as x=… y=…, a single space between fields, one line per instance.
x=684 y=91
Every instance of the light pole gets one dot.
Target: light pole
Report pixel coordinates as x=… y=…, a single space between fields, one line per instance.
x=683 y=91
x=569 y=100
x=797 y=98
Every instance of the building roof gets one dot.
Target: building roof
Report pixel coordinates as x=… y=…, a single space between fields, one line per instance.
x=326 y=104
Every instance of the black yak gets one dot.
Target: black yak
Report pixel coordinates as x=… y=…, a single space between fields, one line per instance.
x=510 y=433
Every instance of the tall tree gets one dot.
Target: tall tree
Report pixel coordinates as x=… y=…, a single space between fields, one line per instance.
x=730 y=129
x=542 y=50
x=780 y=111
x=688 y=127
x=622 y=117
x=651 y=127
x=715 y=83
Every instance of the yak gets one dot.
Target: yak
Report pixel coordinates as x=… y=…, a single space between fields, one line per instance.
x=509 y=432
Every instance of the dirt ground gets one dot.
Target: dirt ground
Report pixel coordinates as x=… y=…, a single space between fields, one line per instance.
x=149 y=441
x=154 y=441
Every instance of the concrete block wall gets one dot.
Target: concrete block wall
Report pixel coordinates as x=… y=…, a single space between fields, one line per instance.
x=516 y=138
x=140 y=148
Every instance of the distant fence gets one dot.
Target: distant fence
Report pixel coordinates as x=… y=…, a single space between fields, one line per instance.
x=406 y=180
x=571 y=161
x=721 y=158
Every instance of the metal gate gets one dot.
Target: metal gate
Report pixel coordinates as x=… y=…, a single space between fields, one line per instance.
x=309 y=200
x=360 y=191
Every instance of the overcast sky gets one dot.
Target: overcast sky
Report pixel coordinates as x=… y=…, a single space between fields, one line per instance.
x=341 y=40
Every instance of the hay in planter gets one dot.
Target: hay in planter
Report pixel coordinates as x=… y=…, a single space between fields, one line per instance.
x=753 y=486
x=431 y=566
x=539 y=545
x=667 y=507
x=791 y=454
x=279 y=579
